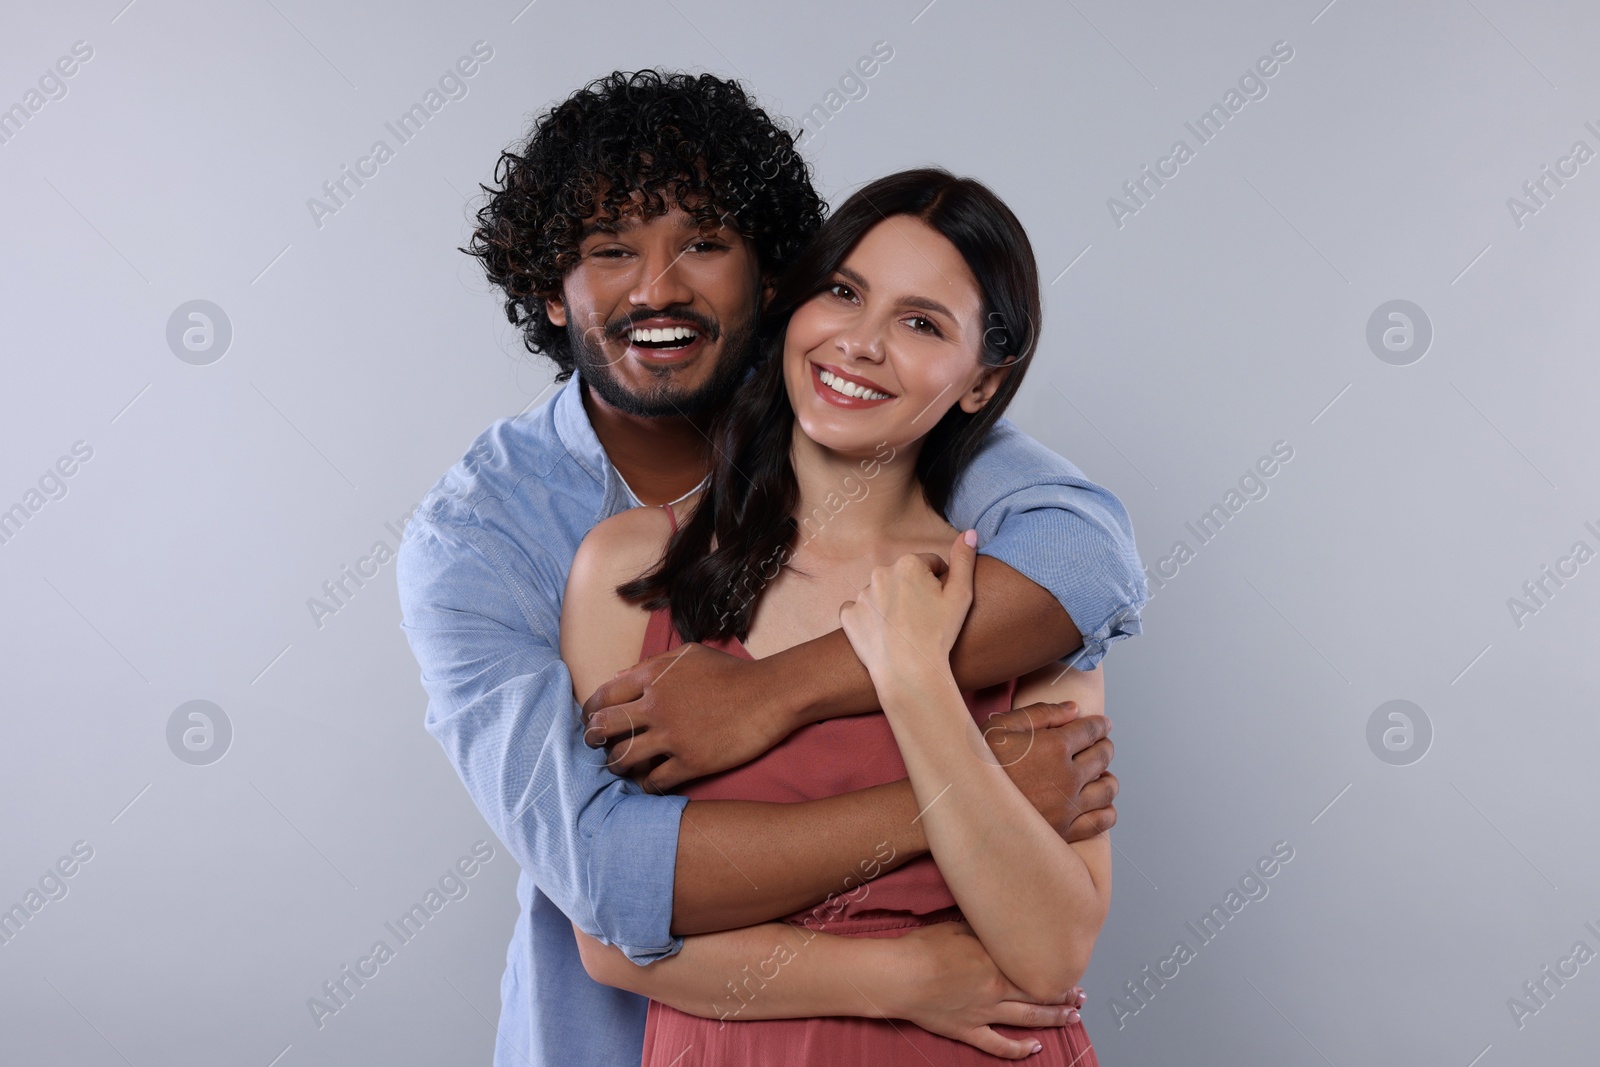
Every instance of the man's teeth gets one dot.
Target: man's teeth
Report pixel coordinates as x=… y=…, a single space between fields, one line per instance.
x=839 y=385
x=669 y=333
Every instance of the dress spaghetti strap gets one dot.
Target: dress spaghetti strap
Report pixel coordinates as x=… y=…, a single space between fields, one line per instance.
x=673 y=516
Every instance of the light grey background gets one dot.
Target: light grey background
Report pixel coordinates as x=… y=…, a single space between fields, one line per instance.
x=1229 y=313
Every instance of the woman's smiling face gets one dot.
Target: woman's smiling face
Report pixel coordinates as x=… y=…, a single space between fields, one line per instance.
x=891 y=344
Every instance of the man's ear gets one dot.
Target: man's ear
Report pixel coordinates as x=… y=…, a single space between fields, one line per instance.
x=556 y=310
x=769 y=285
x=984 y=388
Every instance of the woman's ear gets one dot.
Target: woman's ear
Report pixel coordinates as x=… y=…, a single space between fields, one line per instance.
x=983 y=389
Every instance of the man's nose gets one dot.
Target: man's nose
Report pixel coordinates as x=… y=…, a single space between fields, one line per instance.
x=662 y=282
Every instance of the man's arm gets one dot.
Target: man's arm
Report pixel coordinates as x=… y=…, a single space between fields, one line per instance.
x=481 y=615
x=730 y=874
x=604 y=850
x=1058 y=551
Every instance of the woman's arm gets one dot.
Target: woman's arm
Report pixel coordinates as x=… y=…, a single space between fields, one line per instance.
x=939 y=978
x=1036 y=902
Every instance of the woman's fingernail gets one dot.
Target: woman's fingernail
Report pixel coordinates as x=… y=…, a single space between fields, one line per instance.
x=1036 y=1048
x=1073 y=1016
x=971 y=538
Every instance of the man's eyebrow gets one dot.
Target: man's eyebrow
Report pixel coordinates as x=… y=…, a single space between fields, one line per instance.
x=922 y=302
x=592 y=228
x=615 y=226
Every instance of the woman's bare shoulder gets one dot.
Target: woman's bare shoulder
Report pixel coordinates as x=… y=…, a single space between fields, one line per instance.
x=622 y=547
x=600 y=632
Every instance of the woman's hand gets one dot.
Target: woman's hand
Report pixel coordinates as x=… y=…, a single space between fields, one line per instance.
x=959 y=993
x=906 y=620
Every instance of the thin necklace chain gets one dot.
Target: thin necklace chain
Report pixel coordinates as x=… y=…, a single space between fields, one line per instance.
x=640 y=503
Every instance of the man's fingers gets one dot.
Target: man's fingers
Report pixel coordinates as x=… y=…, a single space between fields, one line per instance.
x=607 y=725
x=1092 y=762
x=1100 y=793
x=1041 y=716
x=1091 y=824
x=1086 y=731
x=630 y=754
x=625 y=688
x=668 y=775
x=629 y=684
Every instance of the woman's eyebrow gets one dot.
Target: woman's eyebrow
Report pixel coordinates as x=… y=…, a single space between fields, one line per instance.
x=922 y=302
x=855 y=279
x=928 y=305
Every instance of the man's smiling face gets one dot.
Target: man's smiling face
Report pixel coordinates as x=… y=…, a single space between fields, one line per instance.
x=661 y=312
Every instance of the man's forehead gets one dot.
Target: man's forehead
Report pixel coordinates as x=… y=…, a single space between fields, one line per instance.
x=638 y=213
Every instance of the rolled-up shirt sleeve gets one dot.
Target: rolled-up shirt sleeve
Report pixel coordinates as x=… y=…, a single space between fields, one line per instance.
x=1038 y=514
x=500 y=702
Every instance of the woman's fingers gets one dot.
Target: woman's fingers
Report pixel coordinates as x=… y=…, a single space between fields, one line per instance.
x=1033 y=1016
x=963 y=560
x=984 y=1039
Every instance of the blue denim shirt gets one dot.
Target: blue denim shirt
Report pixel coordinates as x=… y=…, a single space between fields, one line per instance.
x=482 y=569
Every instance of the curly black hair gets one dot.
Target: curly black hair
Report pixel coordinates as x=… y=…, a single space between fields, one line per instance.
x=696 y=141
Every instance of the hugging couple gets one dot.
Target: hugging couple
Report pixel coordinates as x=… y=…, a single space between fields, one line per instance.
x=752 y=643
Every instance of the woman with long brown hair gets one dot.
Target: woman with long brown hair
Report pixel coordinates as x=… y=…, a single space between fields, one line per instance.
x=894 y=344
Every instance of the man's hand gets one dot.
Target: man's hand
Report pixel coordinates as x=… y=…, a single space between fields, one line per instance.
x=683 y=714
x=1059 y=761
x=956 y=991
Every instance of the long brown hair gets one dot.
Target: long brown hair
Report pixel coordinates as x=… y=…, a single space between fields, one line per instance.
x=743 y=529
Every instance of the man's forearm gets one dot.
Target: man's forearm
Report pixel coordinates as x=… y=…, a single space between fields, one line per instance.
x=745 y=862
x=1013 y=627
x=775 y=971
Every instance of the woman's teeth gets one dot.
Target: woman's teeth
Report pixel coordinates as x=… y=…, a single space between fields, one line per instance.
x=839 y=385
x=669 y=336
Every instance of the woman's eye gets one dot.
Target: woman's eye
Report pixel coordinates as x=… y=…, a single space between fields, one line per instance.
x=923 y=325
x=842 y=291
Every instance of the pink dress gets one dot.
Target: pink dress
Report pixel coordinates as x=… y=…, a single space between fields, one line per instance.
x=821 y=760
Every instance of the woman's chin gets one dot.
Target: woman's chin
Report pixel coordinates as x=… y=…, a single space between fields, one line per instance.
x=847 y=440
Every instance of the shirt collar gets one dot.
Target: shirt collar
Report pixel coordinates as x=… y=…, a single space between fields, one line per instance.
x=583 y=445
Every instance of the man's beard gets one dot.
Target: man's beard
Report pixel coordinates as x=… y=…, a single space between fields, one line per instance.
x=662 y=398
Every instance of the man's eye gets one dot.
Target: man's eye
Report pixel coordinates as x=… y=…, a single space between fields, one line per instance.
x=707 y=246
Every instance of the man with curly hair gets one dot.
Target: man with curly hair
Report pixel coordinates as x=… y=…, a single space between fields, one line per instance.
x=635 y=235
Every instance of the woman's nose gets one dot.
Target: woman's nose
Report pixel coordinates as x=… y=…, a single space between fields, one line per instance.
x=861 y=341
